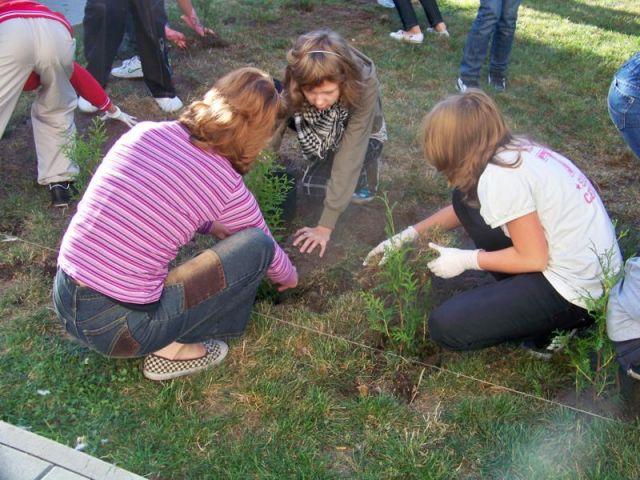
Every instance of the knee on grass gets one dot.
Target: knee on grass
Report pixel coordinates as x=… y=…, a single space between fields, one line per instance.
x=442 y=329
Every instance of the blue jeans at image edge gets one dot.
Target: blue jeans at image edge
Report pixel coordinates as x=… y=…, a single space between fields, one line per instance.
x=496 y=19
x=96 y=319
x=624 y=102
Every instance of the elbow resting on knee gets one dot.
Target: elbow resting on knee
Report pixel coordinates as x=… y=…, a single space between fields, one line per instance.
x=541 y=263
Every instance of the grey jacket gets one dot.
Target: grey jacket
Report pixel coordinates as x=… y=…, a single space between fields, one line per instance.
x=350 y=155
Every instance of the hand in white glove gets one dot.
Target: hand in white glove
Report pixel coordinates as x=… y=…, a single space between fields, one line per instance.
x=120 y=116
x=408 y=235
x=453 y=261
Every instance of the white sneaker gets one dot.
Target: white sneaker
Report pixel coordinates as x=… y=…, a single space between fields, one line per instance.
x=433 y=31
x=168 y=104
x=85 y=106
x=130 y=68
x=386 y=3
x=403 y=36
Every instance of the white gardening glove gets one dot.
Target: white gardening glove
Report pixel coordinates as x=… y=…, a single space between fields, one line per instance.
x=453 y=261
x=121 y=117
x=408 y=235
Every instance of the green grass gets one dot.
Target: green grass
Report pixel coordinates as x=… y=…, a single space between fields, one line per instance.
x=290 y=403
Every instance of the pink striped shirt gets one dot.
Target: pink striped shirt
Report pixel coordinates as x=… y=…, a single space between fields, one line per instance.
x=152 y=192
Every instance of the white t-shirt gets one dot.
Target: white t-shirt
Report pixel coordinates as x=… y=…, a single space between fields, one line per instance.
x=576 y=225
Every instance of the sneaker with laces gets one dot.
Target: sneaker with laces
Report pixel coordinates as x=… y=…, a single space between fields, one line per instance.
x=130 y=68
x=634 y=372
x=85 y=106
x=168 y=104
x=433 y=31
x=362 y=196
x=61 y=193
x=463 y=85
x=403 y=36
x=544 y=348
x=498 y=82
x=535 y=350
x=159 y=368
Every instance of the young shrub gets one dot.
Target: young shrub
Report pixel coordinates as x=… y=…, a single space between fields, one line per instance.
x=398 y=305
x=86 y=152
x=592 y=355
x=269 y=184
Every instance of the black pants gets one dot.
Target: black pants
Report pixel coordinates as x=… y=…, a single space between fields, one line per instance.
x=104 y=23
x=408 y=15
x=516 y=307
x=128 y=47
x=628 y=353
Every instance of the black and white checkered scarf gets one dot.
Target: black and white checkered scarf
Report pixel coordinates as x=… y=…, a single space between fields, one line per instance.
x=320 y=131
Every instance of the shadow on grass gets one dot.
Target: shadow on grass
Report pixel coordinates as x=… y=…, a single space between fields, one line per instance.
x=602 y=17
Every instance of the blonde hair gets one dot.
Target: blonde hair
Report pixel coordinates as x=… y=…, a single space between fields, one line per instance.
x=462 y=134
x=319 y=56
x=236 y=117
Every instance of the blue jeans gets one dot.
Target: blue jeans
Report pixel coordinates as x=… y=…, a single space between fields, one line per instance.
x=212 y=298
x=624 y=102
x=497 y=19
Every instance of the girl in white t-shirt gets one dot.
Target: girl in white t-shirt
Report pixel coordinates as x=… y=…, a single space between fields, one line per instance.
x=539 y=224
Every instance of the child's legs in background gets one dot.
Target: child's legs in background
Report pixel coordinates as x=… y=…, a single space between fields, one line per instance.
x=477 y=44
x=503 y=38
x=406 y=13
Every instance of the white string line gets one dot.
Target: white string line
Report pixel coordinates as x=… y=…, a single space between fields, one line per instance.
x=11 y=238
x=440 y=369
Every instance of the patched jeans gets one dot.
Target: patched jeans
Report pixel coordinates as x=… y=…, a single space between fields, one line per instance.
x=209 y=296
x=496 y=19
x=624 y=102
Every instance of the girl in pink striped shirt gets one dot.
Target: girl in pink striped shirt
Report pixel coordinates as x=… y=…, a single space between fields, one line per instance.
x=159 y=185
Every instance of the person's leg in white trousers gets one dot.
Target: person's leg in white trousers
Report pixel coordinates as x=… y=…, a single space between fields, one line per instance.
x=45 y=47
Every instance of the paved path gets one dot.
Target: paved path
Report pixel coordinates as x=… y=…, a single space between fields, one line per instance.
x=72 y=9
x=27 y=456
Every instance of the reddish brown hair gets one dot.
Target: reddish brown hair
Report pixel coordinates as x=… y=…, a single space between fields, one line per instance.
x=236 y=117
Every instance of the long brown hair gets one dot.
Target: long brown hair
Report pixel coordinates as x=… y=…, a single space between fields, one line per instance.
x=236 y=117
x=319 y=56
x=462 y=134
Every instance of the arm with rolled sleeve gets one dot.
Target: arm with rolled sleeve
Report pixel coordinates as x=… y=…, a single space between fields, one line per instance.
x=241 y=211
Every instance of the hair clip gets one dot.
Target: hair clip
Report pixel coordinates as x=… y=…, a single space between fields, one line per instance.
x=324 y=51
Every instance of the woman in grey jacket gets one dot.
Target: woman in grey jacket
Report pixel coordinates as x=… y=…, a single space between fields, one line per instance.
x=334 y=106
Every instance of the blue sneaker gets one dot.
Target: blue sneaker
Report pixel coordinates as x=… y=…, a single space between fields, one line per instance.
x=497 y=81
x=362 y=195
x=463 y=85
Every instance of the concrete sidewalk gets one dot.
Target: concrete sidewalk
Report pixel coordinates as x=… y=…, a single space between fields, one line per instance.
x=27 y=456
